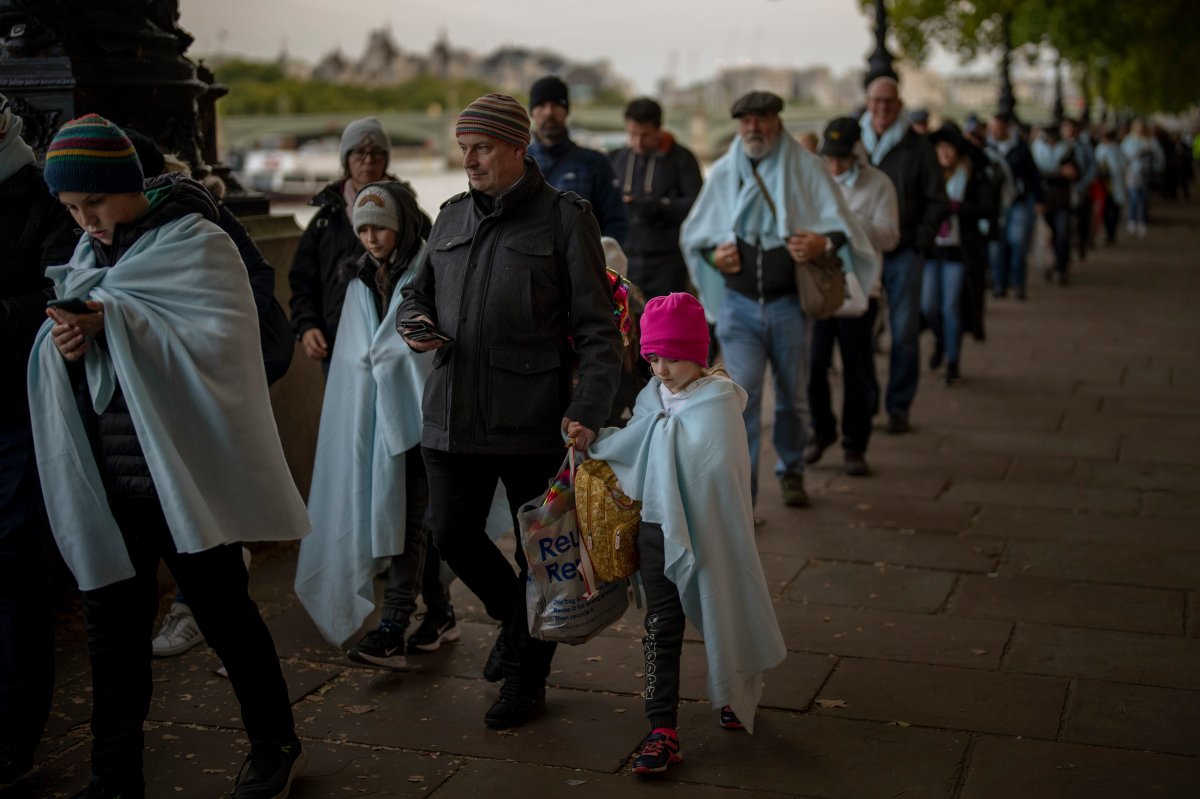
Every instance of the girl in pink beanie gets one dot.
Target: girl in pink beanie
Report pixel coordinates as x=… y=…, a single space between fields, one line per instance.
x=684 y=456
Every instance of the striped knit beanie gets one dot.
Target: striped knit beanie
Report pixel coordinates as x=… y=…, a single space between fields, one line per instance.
x=498 y=116
x=92 y=155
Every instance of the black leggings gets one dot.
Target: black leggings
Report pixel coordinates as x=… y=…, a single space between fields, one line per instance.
x=663 y=643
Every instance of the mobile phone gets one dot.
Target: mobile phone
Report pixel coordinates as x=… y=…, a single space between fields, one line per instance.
x=420 y=330
x=73 y=305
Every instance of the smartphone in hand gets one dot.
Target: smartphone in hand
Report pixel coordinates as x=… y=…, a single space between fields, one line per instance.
x=73 y=305
x=420 y=330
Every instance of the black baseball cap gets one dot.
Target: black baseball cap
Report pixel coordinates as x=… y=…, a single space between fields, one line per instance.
x=840 y=137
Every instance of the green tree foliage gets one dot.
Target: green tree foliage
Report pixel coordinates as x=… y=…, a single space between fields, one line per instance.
x=1140 y=54
x=264 y=88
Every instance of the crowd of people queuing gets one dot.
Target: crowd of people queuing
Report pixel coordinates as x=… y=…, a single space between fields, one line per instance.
x=458 y=355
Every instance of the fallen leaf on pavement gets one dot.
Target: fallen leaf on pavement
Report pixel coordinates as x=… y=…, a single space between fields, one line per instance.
x=832 y=703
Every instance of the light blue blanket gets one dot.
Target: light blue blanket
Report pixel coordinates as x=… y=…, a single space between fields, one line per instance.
x=182 y=340
x=370 y=417
x=731 y=205
x=691 y=470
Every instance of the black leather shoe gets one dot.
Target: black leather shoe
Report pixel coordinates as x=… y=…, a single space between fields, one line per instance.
x=816 y=446
x=898 y=423
x=856 y=464
x=515 y=706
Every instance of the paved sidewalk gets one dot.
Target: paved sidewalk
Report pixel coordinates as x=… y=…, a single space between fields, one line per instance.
x=1009 y=607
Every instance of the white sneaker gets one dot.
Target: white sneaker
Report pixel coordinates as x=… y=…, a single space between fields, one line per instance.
x=178 y=634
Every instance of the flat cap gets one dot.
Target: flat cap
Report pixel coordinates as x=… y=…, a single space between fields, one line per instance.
x=758 y=103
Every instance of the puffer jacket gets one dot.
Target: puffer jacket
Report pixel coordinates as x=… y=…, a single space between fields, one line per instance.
x=660 y=189
x=114 y=440
x=35 y=232
x=519 y=282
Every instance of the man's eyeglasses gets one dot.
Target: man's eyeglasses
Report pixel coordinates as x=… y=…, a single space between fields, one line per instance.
x=367 y=154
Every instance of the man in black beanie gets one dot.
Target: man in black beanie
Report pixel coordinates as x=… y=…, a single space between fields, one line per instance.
x=569 y=167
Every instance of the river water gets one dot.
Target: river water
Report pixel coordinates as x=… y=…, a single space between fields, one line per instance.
x=433 y=188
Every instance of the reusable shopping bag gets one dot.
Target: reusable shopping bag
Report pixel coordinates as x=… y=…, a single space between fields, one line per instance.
x=563 y=600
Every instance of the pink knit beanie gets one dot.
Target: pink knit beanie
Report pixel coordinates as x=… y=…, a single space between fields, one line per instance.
x=674 y=327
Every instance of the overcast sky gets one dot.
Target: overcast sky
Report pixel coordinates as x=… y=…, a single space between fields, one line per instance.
x=689 y=39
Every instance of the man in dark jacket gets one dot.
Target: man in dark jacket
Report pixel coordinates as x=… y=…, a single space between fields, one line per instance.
x=35 y=232
x=909 y=160
x=567 y=166
x=1010 y=251
x=659 y=182
x=515 y=275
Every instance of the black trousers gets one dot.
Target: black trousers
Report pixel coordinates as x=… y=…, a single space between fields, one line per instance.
x=663 y=642
x=461 y=486
x=26 y=603
x=855 y=340
x=119 y=619
x=418 y=568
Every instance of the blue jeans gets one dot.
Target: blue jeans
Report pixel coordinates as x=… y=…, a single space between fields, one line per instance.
x=902 y=284
x=753 y=334
x=941 y=303
x=1136 y=205
x=1009 y=253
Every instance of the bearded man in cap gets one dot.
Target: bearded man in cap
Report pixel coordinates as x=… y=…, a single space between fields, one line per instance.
x=767 y=206
x=515 y=276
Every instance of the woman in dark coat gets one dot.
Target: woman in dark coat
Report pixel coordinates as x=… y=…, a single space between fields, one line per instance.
x=953 y=284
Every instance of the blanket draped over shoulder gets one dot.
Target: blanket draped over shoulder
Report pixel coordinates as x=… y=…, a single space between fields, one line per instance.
x=181 y=339
x=731 y=205
x=370 y=417
x=691 y=470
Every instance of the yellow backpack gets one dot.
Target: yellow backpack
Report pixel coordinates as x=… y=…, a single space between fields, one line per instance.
x=608 y=521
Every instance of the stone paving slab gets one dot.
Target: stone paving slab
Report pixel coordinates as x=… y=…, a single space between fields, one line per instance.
x=1193 y=619
x=882 y=587
x=885 y=511
x=1016 y=442
x=1166 y=661
x=894 y=460
x=1133 y=717
x=582 y=729
x=1043 y=469
x=914 y=486
x=1153 y=404
x=1180 y=506
x=940 y=696
x=1083 y=528
x=1149 y=427
x=1071 y=604
x=1149 y=477
x=1004 y=768
x=910 y=637
x=897 y=547
x=188 y=690
x=1161 y=449
x=1066 y=497
x=820 y=757
x=495 y=779
x=1127 y=565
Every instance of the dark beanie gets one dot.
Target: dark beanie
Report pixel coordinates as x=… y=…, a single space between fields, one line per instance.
x=148 y=153
x=92 y=155
x=549 y=89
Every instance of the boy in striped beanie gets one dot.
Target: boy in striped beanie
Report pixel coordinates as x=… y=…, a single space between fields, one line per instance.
x=93 y=156
x=179 y=331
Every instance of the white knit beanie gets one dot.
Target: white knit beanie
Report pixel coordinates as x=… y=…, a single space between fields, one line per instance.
x=375 y=206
